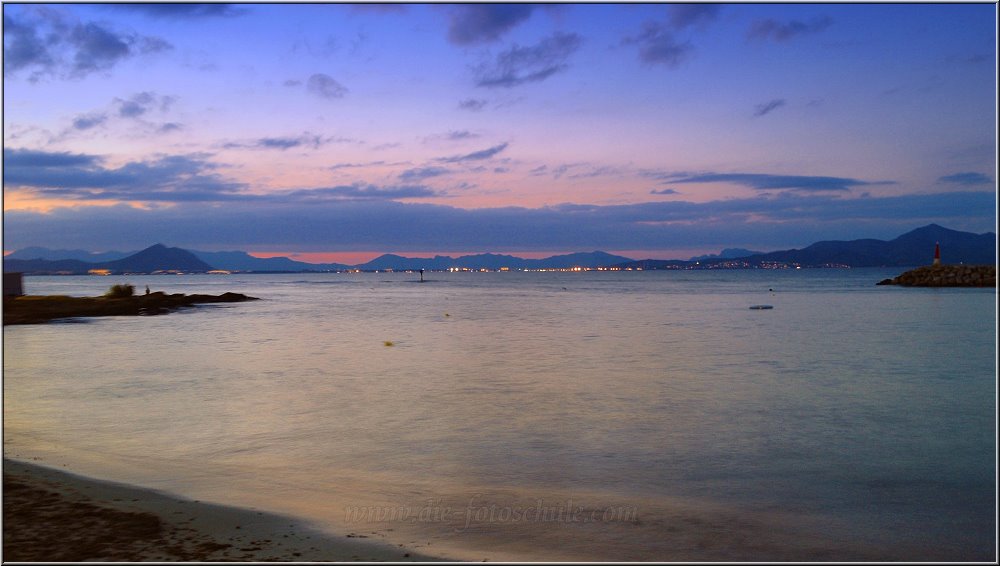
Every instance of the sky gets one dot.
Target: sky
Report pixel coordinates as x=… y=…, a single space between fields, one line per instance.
x=333 y=132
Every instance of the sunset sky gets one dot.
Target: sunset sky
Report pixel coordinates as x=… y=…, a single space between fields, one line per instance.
x=341 y=132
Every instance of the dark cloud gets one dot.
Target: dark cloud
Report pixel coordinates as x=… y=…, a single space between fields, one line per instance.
x=685 y=15
x=98 y=48
x=663 y=192
x=88 y=121
x=140 y=103
x=173 y=179
x=596 y=171
x=421 y=173
x=23 y=48
x=768 y=107
x=357 y=192
x=455 y=135
x=136 y=107
x=355 y=165
x=472 y=104
x=664 y=176
x=169 y=127
x=345 y=218
x=762 y=181
x=282 y=143
x=476 y=155
x=179 y=11
x=312 y=141
x=520 y=65
x=84 y=177
x=26 y=158
x=770 y=29
x=483 y=23
x=966 y=179
x=69 y=50
x=325 y=86
x=658 y=46
x=292 y=82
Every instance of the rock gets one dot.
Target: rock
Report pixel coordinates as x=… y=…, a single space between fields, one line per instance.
x=31 y=309
x=946 y=276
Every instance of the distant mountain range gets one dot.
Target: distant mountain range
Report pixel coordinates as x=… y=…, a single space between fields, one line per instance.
x=911 y=249
x=149 y=260
x=242 y=261
x=162 y=258
x=493 y=261
x=728 y=253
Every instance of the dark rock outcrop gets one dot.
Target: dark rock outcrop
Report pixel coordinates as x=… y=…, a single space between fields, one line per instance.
x=946 y=276
x=35 y=309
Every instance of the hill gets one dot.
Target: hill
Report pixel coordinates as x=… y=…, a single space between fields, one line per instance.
x=158 y=258
x=154 y=258
x=162 y=258
x=79 y=255
x=728 y=253
x=242 y=261
x=910 y=249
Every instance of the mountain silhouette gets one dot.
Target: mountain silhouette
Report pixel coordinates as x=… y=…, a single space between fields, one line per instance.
x=154 y=258
x=913 y=248
x=242 y=261
x=159 y=258
x=493 y=261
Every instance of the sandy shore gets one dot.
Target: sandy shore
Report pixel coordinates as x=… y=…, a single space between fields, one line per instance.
x=50 y=515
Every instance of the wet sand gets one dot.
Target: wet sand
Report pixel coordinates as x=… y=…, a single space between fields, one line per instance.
x=50 y=515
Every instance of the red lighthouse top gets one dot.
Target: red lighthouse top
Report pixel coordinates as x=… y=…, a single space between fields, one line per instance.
x=937 y=253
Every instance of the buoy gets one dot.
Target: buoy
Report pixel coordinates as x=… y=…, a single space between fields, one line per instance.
x=761 y=307
x=389 y=343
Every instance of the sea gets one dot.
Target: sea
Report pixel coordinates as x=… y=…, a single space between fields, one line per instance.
x=543 y=416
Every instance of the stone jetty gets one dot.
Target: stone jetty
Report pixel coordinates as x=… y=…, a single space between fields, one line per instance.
x=946 y=276
x=34 y=309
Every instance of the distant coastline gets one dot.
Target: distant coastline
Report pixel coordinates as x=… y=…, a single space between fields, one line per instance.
x=908 y=250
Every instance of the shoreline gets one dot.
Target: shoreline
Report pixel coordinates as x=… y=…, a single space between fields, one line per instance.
x=38 y=309
x=54 y=515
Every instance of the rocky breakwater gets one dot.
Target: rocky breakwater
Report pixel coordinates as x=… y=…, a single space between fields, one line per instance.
x=946 y=276
x=34 y=309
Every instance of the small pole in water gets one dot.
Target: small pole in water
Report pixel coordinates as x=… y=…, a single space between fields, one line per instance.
x=421 y=275
x=937 y=253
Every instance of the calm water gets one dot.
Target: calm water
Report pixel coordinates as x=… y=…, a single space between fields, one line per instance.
x=666 y=419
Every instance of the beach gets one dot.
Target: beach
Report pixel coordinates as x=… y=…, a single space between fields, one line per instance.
x=51 y=515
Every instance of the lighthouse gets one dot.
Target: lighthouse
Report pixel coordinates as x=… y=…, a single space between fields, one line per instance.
x=937 y=253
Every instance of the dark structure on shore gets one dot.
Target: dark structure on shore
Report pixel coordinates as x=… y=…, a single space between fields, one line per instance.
x=13 y=284
x=938 y=275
